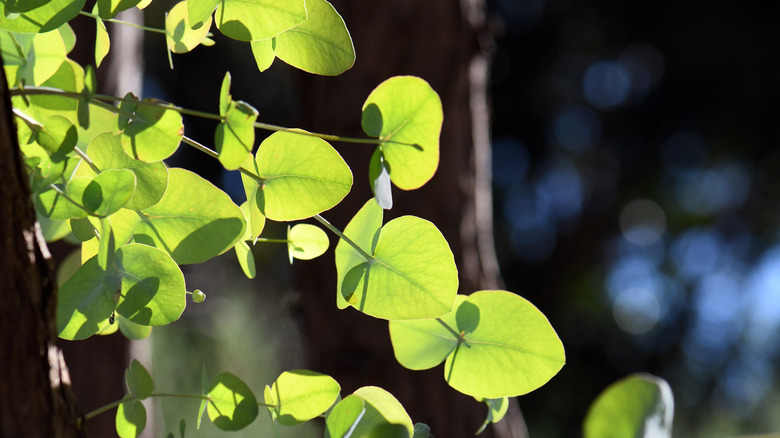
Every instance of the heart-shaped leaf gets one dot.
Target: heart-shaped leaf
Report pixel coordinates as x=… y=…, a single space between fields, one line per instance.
x=232 y=405
x=302 y=176
x=405 y=113
x=301 y=395
x=411 y=273
x=193 y=222
x=320 y=45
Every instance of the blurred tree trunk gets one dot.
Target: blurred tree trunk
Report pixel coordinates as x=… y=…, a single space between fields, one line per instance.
x=445 y=42
x=35 y=393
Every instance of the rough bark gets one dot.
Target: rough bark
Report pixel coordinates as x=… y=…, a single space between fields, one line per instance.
x=446 y=43
x=35 y=393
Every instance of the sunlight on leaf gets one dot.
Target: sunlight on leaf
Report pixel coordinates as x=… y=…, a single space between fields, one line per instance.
x=130 y=419
x=179 y=35
x=301 y=395
x=248 y=20
x=306 y=242
x=232 y=405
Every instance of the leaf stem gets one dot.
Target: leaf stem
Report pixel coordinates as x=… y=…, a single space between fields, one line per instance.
x=369 y=258
x=267 y=240
x=214 y=154
x=86 y=159
x=126 y=23
x=457 y=335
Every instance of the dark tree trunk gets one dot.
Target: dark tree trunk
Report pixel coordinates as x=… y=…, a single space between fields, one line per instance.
x=444 y=42
x=35 y=394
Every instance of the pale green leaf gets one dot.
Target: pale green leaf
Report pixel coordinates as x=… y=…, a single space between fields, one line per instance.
x=130 y=419
x=345 y=417
x=193 y=222
x=199 y=11
x=512 y=348
x=235 y=136
x=248 y=20
x=306 y=241
x=109 y=8
x=412 y=274
x=363 y=230
x=48 y=16
x=497 y=408
x=68 y=36
x=109 y=191
x=102 y=42
x=232 y=406
x=83 y=306
x=382 y=408
x=132 y=330
x=254 y=217
x=263 y=52
x=153 y=133
x=406 y=113
x=320 y=45
x=153 y=291
x=36 y=58
x=107 y=245
x=303 y=176
x=58 y=137
x=301 y=395
x=638 y=406
x=245 y=258
x=138 y=380
x=179 y=35
x=53 y=230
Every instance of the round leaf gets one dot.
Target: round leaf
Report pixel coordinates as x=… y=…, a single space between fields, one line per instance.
x=381 y=408
x=248 y=20
x=58 y=137
x=153 y=291
x=320 y=45
x=306 y=241
x=301 y=395
x=303 y=176
x=345 y=417
x=130 y=419
x=179 y=35
x=640 y=405
x=512 y=348
x=232 y=406
x=363 y=230
x=138 y=380
x=406 y=113
x=199 y=11
x=193 y=222
x=83 y=306
x=109 y=191
x=153 y=133
x=412 y=274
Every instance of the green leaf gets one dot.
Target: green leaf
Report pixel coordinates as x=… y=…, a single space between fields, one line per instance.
x=254 y=217
x=36 y=57
x=199 y=11
x=82 y=304
x=53 y=230
x=83 y=229
x=204 y=385
x=303 y=176
x=512 y=348
x=381 y=409
x=109 y=191
x=263 y=52
x=235 y=136
x=422 y=430
x=179 y=34
x=379 y=177
x=248 y=20
x=224 y=95
x=301 y=395
x=153 y=291
x=406 y=114
x=132 y=330
x=48 y=16
x=107 y=245
x=130 y=419
x=58 y=137
x=423 y=344
x=245 y=259
x=138 y=380
x=232 y=406
x=106 y=152
x=153 y=133
x=306 y=241
x=109 y=8
x=638 y=406
x=320 y=45
x=102 y=42
x=363 y=230
x=68 y=36
x=411 y=275
x=497 y=408
x=345 y=417
x=193 y=222
x=19 y=6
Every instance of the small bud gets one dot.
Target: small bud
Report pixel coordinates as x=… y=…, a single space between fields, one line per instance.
x=198 y=296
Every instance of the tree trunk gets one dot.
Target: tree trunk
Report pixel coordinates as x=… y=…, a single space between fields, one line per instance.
x=35 y=394
x=442 y=41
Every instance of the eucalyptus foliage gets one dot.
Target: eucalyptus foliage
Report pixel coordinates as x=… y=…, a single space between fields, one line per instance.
x=97 y=171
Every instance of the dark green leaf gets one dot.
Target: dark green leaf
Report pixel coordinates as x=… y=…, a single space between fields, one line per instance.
x=138 y=380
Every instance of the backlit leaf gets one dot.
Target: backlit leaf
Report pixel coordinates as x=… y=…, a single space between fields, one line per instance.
x=153 y=133
x=41 y=54
x=406 y=113
x=235 y=136
x=83 y=306
x=109 y=191
x=306 y=241
x=48 y=16
x=248 y=20
x=345 y=417
x=109 y=8
x=102 y=42
x=301 y=395
x=179 y=35
x=130 y=419
x=232 y=405
x=199 y=11
x=245 y=258
x=138 y=380
x=263 y=52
